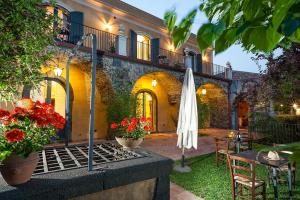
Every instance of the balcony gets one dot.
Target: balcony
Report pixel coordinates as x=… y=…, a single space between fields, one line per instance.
x=121 y=45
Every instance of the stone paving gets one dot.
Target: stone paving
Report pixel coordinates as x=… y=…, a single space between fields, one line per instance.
x=165 y=144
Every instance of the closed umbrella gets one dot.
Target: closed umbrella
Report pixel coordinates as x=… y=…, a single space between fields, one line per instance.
x=187 y=127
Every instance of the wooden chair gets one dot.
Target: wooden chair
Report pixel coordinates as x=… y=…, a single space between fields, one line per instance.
x=243 y=176
x=246 y=141
x=223 y=147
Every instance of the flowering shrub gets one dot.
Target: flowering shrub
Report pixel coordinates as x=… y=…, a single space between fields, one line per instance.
x=133 y=127
x=29 y=127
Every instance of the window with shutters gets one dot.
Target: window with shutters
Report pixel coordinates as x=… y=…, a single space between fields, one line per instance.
x=63 y=22
x=143 y=47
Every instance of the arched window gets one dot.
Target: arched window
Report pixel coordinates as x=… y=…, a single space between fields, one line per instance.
x=147 y=106
x=143 y=47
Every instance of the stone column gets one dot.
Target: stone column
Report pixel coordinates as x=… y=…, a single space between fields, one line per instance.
x=228 y=71
x=187 y=58
x=122 y=41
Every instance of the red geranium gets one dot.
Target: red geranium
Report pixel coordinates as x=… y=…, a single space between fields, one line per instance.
x=4 y=113
x=114 y=125
x=124 y=122
x=14 y=135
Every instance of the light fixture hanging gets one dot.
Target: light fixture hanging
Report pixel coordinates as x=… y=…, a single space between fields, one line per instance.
x=203 y=91
x=57 y=71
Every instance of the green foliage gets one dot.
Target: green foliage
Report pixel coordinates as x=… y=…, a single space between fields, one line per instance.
x=288 y=119
x=122 y=105
x=25 y=33
x=259 y=25
x=180 y=33
x=203 y=113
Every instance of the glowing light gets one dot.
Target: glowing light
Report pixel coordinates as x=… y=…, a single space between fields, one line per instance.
x=281 y=105
x=295 y=106
x=171 y=47
x=205 y=58
x=203 y=91
x=107 y=26
x=57 y=71
x=154 y=83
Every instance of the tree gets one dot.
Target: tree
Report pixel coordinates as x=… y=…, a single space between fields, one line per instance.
x=25 y=34
x=280 y=81
x=259 y=25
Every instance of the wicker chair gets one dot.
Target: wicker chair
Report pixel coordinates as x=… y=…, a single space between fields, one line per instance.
x=243 y=176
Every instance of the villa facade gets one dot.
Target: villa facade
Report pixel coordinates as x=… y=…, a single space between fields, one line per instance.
x=134 y=51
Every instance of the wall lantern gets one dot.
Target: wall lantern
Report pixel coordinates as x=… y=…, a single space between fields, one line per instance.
x=57 y=71
x=107 y=26
x=203 y=91
x=295 y=106
x=154 y=83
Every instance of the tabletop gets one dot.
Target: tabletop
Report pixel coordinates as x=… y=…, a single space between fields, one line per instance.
x=262 y=158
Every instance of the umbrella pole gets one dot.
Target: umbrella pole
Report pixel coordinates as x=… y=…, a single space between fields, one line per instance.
x=182 y=157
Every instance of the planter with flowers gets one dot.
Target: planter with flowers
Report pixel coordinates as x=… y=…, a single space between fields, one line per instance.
x=23 y=132
x=131 y=131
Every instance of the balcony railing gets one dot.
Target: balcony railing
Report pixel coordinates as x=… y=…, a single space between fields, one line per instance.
x=111 y=43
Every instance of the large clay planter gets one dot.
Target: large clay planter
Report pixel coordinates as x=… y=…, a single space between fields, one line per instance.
x=129 y=143
x=17 y=170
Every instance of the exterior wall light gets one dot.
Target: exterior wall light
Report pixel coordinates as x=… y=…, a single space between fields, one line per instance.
x=154 y=83
x=107 y=26
x=295 y=106
x=281 y=105
x=57 y=71
x=203 y=91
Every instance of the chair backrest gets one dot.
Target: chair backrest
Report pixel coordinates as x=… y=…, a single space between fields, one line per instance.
x=221 y=144
x=242 y=168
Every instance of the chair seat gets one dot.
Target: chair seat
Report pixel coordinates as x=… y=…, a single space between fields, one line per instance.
x=223 y=151
x=285 y=168
x=248 y=183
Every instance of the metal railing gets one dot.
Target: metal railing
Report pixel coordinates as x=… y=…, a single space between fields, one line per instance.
x=108 y=42
x=274 y=132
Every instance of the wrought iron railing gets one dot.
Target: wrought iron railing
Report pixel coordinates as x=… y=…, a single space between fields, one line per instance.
x=274 y=132
x=108 y=42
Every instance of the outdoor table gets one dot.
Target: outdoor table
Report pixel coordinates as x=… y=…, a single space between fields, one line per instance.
x=260 y=158
x=238 y=141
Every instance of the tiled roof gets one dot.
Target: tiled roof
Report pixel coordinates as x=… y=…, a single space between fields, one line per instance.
x=240 y=75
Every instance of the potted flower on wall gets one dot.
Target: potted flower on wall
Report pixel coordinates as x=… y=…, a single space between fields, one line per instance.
x=131 y=131
x=23 y=132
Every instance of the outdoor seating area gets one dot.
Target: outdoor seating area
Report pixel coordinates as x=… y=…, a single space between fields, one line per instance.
x=209 y=181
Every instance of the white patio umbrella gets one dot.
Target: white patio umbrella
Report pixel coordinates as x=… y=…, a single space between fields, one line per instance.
x=187 y=127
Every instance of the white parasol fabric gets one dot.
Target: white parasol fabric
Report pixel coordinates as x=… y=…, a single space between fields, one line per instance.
x=187 y=128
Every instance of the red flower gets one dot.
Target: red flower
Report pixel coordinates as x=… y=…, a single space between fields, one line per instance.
x=4 y=114
x=20 y=111
x=143 y=119
x=124 y=122
x=14 y=135
x=147 y=128
x=114 y=125
x=131 y=127
x=134 y=121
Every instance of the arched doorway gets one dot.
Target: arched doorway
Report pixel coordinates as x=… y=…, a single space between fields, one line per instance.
x=53 y=91
x=243 y=112
x=147 y=106
x=214 y=101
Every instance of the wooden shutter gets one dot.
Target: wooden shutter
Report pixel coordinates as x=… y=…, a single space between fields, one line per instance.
x=198 y=63
x=133 y=44
x=76 y=29
x=154 y=50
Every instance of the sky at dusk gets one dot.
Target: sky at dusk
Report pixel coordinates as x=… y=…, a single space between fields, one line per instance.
x=239 y=59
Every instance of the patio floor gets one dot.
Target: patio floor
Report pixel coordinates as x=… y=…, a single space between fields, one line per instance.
x=165 y=143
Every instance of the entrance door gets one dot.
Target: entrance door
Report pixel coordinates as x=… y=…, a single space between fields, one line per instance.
x=243 y=111
x=147 y=107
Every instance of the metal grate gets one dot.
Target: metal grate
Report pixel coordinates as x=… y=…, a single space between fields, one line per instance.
x=64 y=158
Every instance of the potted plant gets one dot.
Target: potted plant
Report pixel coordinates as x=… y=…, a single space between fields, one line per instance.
x=23 y=132
x=131 y=132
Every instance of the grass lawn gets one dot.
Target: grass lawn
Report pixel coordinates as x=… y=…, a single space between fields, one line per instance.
x=213 y=183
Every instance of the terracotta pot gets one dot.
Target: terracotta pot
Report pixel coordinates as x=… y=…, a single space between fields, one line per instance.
x=129 y=143
x=17 y=170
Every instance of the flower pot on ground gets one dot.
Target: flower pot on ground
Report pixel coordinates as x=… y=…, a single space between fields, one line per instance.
x=131 y=131
x=23 y=132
